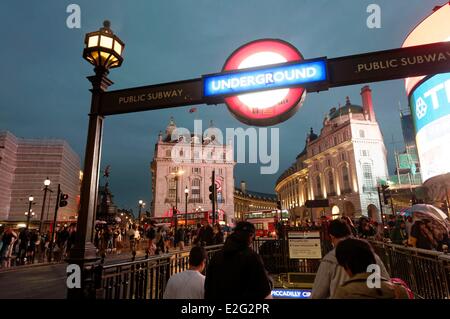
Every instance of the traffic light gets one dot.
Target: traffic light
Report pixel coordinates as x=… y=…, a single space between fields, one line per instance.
x=279 y=204
x=386 y=193
x=212 y=192
x=63 y=199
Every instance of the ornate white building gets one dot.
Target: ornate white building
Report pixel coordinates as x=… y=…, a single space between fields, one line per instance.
x=179 y=163
x=343 y=164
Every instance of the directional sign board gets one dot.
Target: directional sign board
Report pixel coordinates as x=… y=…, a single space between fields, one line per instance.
x=304 y=245
x=152 y=97
x=313 y=75
x=390 y=65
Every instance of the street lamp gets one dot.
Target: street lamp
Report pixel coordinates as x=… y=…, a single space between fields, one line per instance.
x=28 y=214
x=177 y=174
x=141 y=204
x=46 y=185
x=103 y=50
x=186 y=193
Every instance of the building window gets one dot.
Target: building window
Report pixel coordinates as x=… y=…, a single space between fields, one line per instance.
x=195 y=188
x=367 y=175
x=330 y=182
x=318 y=186
x=173 y=169
x=364 y=153
x=172 y=188
x=196 y=170
x=168 y=153
x=335 y=140
x=328 y=162
x=220 y=171
x=345 y=178
x=362 y=134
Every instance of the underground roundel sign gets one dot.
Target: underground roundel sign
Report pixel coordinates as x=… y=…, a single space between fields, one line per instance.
x=267 y=107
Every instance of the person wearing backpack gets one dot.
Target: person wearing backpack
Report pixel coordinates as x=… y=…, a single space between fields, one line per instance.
x=355 y=256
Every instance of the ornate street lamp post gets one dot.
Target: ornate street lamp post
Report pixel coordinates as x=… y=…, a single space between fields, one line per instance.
x=141 y=204
x=28 y=214
x=175 y=208
x=46 y=189
x=103 y=50
x=186 y=193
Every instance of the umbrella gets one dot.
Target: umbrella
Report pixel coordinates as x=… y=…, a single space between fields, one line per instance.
x=439 y=222
x=406 y=212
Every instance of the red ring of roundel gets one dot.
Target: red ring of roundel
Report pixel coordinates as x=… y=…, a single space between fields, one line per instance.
x=277 y=113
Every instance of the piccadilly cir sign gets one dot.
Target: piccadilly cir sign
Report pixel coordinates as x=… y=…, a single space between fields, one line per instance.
x=264 y=94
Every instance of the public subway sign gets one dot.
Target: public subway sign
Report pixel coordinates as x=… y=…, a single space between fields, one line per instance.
x=266 y=78
x=393 y=64
x=265 y=82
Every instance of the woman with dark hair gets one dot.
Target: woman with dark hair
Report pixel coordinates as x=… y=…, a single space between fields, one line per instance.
x=358 y=259
x=350 y=224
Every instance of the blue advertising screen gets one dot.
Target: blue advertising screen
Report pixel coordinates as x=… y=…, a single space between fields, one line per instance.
x=430 y=108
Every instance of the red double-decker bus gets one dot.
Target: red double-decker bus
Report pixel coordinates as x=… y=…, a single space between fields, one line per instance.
x=193 y=218
x=265 y=221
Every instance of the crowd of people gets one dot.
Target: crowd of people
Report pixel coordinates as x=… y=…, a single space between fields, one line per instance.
x=27 y=246
x=399 y=230
x=156 y=238
x=237 y=272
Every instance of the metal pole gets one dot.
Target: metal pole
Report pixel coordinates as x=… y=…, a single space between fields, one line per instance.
x=84 y=252
x=213 y=180
x=176 y=202
x=43 y=208
x=54 y=224
x=139 y=217
x=381 y=206
x=186 y=212
x=29 y=214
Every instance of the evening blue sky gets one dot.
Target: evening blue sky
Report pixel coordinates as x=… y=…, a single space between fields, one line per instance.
x=45 y=93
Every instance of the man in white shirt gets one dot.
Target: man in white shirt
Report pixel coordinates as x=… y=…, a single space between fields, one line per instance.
x=189 y=284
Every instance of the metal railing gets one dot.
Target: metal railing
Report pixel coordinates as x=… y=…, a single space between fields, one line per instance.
x=426 y=272
x=141 y=279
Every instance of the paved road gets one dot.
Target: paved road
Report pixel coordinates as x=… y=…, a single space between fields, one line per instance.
x=41 y=281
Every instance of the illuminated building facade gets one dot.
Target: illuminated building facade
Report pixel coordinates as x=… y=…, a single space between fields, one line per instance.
x=342 y=164
x=204 y=154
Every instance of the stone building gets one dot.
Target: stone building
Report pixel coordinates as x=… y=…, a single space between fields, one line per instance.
x=184 y=160
x=343 y=164
x=246 y=201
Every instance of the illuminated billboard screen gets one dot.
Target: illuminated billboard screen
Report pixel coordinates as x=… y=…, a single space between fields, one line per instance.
x=430 y=106
x=434 y=28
